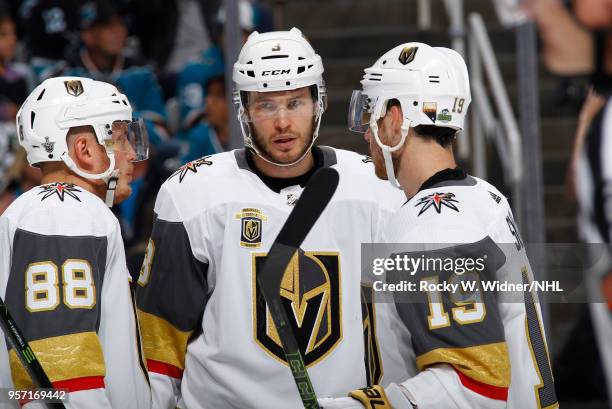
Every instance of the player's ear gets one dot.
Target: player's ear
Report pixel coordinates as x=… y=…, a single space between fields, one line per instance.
x=84 y=148
x=397 y=117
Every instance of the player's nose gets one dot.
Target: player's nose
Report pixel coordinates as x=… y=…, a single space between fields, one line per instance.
x=282 y=120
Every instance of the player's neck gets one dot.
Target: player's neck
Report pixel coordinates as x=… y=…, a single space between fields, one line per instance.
x=64 y=176
x=284 y=172
x=421 y=160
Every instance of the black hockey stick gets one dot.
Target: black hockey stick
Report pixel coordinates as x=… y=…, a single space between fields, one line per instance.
x=313 y=200
x=25 y=353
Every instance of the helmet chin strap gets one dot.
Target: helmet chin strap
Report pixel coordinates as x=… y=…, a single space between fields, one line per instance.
x=387 y=150
x=110 y=176
x=251 y=144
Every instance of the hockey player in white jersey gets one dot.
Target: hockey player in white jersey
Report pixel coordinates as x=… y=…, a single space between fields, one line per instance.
x=63 y=273
x=470 y=353
x=207 y=335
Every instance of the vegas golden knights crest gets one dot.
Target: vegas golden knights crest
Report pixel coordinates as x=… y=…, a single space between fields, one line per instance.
x=407 y=55
x=74 y=87
x=310 y=290
x=373 y=360
x=251 y=227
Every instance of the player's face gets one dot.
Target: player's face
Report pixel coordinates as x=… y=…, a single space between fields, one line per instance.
x=385 y=134
x=282 y=123
x=124 y=155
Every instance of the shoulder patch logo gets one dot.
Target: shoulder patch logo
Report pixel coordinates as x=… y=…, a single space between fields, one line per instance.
x=191 y=167
x=518 y=240
x=437 y=200
x=407 y=55
x=495 y=197
x=74 y=87
x=59 y=189
x=250 y=227
x=366 y=159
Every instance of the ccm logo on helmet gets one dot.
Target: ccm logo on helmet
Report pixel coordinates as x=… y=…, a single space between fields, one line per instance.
x=275 y=72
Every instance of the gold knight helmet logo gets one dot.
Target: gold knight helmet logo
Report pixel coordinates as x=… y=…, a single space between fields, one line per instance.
x=407 y=55
x=74 y=87
x=250 y=229
x=310 y=290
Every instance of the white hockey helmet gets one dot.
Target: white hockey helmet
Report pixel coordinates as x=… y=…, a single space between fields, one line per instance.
x=277 y=61
x=430 y=83
x=61 y=103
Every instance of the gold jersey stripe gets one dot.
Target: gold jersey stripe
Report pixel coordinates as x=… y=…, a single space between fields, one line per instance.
x=63 y=357
x=161 y=341
x=485 y=363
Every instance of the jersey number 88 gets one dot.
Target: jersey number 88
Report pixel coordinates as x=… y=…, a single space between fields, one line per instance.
x=42 y=285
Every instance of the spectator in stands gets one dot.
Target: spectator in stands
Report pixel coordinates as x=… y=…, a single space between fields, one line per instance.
x=578 y=41
x=14 y=82
x=193 y=79
x=103 y=37
x=51 y=32
x=210 y=131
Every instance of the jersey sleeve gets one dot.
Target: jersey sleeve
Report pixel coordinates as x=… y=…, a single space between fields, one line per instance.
x=54 y=294
x=459 y=342
x=171 y=296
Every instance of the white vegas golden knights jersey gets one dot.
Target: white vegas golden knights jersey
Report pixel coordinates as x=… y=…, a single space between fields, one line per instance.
x=484 y=352
x=208 y=338
x=65 y=281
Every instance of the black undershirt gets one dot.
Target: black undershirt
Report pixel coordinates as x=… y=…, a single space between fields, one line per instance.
x=278 y=184
x=442 y=176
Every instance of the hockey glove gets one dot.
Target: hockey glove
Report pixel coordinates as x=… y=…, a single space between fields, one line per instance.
x=372 y=397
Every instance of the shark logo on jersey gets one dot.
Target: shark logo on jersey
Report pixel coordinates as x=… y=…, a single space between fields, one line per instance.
x=250 y=227
x=59 y=189
x=367 y=159
x=191 y=167
x=310 y=290
x=437 y=200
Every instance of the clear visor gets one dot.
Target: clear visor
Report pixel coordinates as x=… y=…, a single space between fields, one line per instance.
x=130 y=137
x=264 y=108
x=360 y=110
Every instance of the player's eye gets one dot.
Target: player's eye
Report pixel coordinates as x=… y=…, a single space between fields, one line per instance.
x=295 y=104
x=265 y=107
